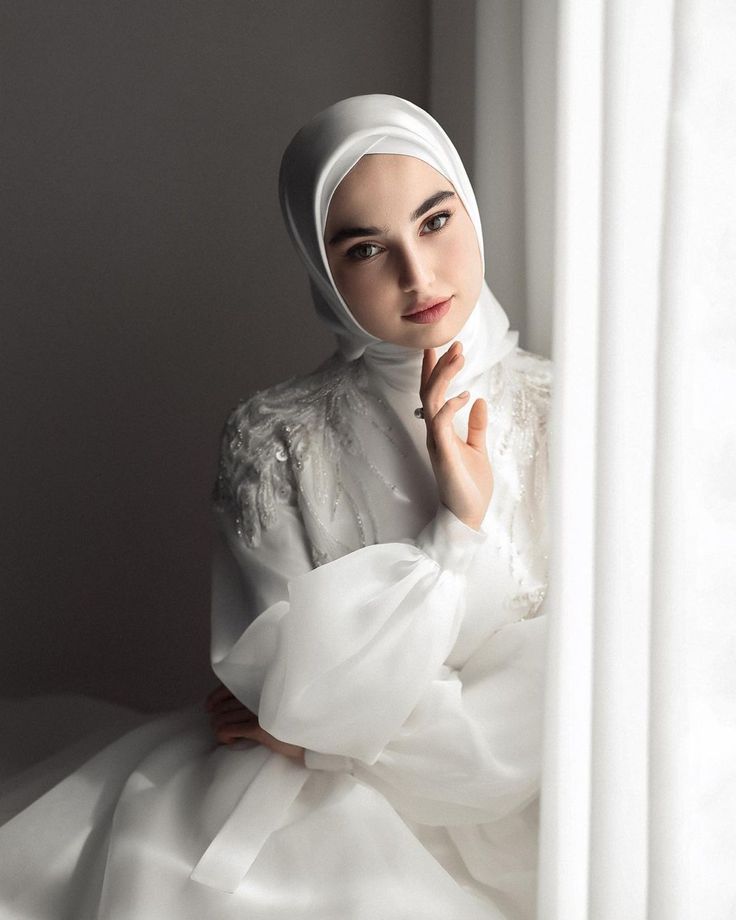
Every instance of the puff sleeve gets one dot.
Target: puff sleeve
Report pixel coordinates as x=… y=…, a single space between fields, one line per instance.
x=348 y=660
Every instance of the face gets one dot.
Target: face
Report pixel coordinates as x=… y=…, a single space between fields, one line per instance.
x=398 y=238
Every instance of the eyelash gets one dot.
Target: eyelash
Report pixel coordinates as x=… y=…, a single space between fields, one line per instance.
x=352 y=253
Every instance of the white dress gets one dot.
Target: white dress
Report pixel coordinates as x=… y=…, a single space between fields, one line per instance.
x=363 y=621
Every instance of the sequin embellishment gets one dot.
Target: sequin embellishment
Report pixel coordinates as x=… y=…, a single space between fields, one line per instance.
x=269 y=438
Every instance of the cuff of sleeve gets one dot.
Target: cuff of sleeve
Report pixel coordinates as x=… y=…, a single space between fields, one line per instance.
x=449 y=541
x=316 y=760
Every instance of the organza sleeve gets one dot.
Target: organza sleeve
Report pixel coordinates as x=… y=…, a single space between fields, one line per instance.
x=470 y=750
x=336 y=658
x=348 y=660
x=449 y=745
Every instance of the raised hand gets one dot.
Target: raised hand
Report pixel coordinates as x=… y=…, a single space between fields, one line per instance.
x=462 y=468
x=231 y=721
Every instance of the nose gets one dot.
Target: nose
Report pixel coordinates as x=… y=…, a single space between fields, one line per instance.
x=415 y=269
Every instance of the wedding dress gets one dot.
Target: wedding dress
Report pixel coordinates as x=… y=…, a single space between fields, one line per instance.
x=360 y=618
x=400 y=647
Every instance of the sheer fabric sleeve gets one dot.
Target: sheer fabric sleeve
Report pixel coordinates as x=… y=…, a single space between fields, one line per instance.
x=348 y=660
x=303 y=646
x=470 y=750
x=249 y=598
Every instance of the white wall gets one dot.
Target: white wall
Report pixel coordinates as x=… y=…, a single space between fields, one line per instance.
x=148 y=283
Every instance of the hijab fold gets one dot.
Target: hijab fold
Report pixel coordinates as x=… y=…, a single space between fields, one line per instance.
x=317 y=159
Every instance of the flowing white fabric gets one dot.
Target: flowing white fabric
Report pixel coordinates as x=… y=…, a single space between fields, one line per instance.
x=412 y=671
x=387 y=663
x=639 y=795
x=362 y=621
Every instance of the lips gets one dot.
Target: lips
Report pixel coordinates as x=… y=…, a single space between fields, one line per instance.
x=427 y=305
x=430 y=314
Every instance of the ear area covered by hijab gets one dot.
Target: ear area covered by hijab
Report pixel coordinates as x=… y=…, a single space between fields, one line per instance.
x=314 y=163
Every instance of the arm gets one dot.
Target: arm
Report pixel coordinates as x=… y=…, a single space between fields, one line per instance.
x=470 y=750
x=391 y=610
x=465 y=485
x=348 y=662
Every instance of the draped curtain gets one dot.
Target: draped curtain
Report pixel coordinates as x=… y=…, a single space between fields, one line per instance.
x=619 y=190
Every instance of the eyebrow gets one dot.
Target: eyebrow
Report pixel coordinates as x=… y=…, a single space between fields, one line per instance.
x=348 y=233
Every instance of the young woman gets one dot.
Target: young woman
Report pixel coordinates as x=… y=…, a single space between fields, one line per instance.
x=373 y=748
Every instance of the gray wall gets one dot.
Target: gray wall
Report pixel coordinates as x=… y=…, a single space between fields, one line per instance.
x=148 y=285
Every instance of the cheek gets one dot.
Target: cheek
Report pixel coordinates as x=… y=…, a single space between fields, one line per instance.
x=358 y=291
x=344 y=282
x=464 y=257
x=353 y=288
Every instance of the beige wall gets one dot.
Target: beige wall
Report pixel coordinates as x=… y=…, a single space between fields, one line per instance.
x=148 y=286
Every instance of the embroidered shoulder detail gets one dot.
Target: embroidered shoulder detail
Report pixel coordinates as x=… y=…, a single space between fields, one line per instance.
x=520 y=403
x=533 y=374
x=520 y=394
x=270 y=438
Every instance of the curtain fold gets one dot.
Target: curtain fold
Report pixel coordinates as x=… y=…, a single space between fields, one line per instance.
x=638 y=787
x=639 y=777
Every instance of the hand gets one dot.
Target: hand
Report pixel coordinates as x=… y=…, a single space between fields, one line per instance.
x=462 y=468
x=231 y=721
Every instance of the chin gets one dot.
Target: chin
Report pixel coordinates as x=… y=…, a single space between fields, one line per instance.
x=443 y=333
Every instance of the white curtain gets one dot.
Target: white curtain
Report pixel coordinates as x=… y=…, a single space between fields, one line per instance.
x=639 y=813
x=638 y=290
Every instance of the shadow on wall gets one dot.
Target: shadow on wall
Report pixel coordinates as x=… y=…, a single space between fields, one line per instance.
x=151 y=285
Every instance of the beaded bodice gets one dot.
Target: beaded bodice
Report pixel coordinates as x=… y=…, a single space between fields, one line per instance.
x=293 y=443
x=328 y=444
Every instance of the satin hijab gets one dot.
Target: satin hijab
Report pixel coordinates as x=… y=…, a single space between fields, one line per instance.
x=316 y=160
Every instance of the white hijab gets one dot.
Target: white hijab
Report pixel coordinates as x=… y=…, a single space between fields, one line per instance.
x=316 y=160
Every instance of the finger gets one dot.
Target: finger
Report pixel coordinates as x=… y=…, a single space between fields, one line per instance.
x=428 y=363
x=219 y=693
x=236 y=717
x=443 y=372
x=477 y=423
x=228 y=705
x=431 y=364
x=443 y=431
x=438 y=363
x=247 y=730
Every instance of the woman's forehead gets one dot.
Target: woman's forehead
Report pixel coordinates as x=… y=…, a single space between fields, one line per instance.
x=384 y=178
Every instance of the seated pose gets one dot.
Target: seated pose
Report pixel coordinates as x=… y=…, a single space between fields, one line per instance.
x=372 y=751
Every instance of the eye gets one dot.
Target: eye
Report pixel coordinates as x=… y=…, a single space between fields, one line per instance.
x=444 y=216
x=358 y=252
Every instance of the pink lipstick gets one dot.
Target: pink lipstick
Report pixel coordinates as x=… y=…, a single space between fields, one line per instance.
x=430 y=314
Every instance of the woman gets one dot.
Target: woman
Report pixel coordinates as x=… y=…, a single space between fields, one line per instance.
x=376 y=600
